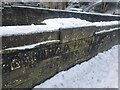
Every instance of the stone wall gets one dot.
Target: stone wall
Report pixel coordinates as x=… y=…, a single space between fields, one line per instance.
x=26 y=68
x=63 y=35
x=23 y=15
x=29 y=67
x=27 y=39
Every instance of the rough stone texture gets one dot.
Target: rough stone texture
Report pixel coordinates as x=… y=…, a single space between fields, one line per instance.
x=41 y=62
x=72 y=34
x=26 y=68
x=27 y=39
x=64 y=35
x=104 y=41
x=26 y=15
x=108 y=27
x=29 y=67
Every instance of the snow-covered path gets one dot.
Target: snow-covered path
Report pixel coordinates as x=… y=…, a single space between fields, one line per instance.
x=99 y=72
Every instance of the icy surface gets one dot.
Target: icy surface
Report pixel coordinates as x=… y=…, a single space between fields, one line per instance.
x=51 y=25
x=31 y=46
x=99 y=72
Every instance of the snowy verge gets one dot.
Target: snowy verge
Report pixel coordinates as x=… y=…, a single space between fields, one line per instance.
x=99 y=72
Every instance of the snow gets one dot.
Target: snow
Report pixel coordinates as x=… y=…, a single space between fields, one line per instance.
x=67 y=22
x=51 y=25
x=99 y=72
x=76 y=22
x=31 y=46
x=104 y=31
x=74 y=9
x=20 y=30
x=106 y=23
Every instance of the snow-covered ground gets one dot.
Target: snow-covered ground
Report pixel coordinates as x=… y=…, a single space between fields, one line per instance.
x=99 y=72
x=51 y=25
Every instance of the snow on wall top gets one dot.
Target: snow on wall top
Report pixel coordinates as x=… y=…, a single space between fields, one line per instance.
x=76 y=22
x=67 y=22
x=106 y=23
x=20 y=30
x=51 y=25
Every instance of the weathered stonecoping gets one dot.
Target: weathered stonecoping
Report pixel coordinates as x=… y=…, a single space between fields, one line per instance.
x=25 y=68
x=24 y=15
x=14 y=49
x=64 y=35
x=29 y=7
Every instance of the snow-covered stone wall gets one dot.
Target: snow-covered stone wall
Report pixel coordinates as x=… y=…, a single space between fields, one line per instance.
x=38 y=53
x=24 y=15
x=16 y=36
x=26 y=66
